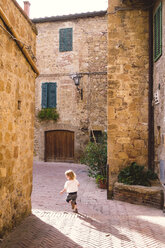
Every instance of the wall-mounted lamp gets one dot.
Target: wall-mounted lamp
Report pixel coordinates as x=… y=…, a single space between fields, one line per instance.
x=76 y=77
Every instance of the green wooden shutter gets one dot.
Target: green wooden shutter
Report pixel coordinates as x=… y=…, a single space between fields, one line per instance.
x=52 y=95
x=65 y=40
x=44 y=95
x=158 y=33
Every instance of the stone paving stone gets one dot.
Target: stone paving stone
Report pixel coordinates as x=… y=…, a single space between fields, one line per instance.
x=100 y=223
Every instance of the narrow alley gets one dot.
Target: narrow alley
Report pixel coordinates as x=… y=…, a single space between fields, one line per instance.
x=100 y=223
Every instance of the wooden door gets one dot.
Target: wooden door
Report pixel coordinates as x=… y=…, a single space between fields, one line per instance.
x=59 y=145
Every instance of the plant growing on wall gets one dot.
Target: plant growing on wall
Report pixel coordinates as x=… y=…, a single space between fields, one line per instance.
x=136 y=175
x=95 y=157
x=48 y=114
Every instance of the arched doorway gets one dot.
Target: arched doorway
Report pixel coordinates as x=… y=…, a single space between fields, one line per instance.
x=59 y=145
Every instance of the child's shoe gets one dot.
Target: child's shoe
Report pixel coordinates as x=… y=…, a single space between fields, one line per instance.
x=75 y=210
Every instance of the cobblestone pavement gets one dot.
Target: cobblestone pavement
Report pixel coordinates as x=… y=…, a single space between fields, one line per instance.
x=100 y=223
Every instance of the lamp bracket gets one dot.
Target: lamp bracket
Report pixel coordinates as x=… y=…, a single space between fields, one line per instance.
x=76 y=78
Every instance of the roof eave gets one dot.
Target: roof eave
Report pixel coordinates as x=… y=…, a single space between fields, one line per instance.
x=70 y=17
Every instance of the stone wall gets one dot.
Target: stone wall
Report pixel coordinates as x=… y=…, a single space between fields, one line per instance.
x=141 y=195
x=89 y=58
x=19 y=22
x=17 y=85
x=127 y=86
x=159 y=87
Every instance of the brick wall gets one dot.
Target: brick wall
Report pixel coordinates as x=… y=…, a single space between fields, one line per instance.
x=17 y=85
x=148 y=196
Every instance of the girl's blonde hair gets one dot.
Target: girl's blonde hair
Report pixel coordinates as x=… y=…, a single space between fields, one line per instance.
x=70 y=174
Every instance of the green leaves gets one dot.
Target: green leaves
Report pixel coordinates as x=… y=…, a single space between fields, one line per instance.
x=48 y=114
x=100 y=178
x=136 y=175
x=95 y=157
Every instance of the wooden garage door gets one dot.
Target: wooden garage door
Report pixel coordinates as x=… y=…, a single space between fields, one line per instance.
x=59 y=145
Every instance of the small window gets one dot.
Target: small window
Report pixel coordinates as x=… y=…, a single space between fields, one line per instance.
x=158 y=33
x=65 y=39
x=96 y=135
x=49 y=95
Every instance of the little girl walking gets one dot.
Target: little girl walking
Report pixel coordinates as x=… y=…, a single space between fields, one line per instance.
x=71 y=187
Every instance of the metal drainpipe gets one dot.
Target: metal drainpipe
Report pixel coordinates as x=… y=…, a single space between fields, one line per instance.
x=151 y=152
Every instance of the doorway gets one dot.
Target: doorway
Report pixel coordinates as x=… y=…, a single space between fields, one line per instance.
x=59 y=146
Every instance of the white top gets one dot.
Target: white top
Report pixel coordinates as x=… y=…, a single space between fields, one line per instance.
x=71 y=186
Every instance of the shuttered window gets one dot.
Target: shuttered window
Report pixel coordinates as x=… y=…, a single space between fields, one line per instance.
x=158 y=33
x=65 y=39
x=49 y=95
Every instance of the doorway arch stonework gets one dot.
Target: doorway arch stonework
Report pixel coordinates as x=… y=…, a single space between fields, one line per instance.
x=50 y=126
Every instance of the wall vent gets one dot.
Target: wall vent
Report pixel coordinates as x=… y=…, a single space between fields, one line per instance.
x=156 y=97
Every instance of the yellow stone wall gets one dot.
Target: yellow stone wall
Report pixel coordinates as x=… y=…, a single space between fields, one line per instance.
x=17 y=86
x=127 y=86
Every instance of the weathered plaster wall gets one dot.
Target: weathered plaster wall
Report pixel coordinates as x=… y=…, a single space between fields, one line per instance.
x=159 y=86
x=89 y=57
x=17 y=85
x=127 y=87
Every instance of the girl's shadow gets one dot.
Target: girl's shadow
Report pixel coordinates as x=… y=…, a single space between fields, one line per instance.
x=107 y=228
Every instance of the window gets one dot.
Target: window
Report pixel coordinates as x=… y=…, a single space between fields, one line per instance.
x=158 y=33
x=65 y=39
x=96 y=135
x=49 y=95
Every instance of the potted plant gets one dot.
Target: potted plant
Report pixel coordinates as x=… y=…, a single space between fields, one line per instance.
x=136 y=175
x=95 y=157
x=101 y=181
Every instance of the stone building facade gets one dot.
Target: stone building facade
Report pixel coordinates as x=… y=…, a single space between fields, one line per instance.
x=135 y=85
x=17 y=85
x=83 y=108
x=128 y=62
